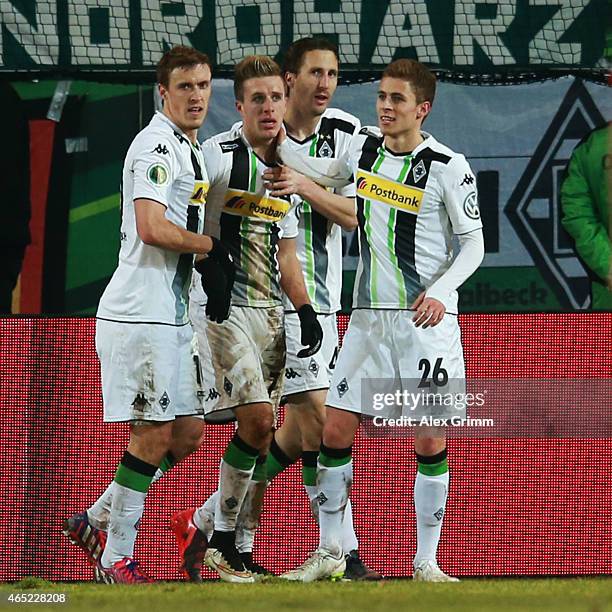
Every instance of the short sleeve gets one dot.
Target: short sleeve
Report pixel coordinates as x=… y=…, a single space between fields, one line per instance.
x=460 y=196
x=289 y=224
x=155 y=169
x=213 y=158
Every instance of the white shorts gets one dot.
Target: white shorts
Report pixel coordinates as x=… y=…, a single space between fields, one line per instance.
x=248 y=356
x=148 y=371
x=383 y=352
x=206 y=379
x=309 y=373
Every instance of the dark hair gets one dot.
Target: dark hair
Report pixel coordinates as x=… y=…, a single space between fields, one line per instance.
x=179 y=57
x=423 y=81
x=251 y=67
x=294 y=55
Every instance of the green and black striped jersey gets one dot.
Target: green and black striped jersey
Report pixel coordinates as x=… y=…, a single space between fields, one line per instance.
x=247 y=220
x=319 y=242
x=409 y=205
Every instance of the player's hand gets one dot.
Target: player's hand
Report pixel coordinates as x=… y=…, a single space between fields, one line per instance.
x=312 y=333
x=218 y=273
x=283 y=180
x=429 y=311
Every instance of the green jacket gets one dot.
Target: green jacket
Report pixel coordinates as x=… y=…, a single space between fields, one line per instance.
x=586 y=209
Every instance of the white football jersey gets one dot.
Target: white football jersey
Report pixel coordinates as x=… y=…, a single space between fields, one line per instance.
x=151 y=284
x=247 y=220
x=319 y=245
x=409 y=205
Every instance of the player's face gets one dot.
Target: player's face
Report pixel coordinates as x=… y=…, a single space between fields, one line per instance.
x=262 y=108
x=186 y=97
x=397 y=108
x=314 y=85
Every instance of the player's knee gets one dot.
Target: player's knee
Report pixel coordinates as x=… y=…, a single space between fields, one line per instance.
x=259 y=427
x=336 y=436
x=313 y=434
x=429 y=446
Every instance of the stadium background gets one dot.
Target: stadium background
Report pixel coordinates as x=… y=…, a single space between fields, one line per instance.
x=522 y=83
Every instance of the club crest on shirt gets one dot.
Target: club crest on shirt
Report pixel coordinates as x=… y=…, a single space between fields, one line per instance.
x=325 y=150
x=419 y=171
x=158 y=174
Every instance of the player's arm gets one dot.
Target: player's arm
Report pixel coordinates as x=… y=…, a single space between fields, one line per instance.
x=286 y=181
x=460 y=198
x=430 y=303
x=155 y=230
x=291 y=275
x=292 y=283
x=326 y=171
x=580 y=219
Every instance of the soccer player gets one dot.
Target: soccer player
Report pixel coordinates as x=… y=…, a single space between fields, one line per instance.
x=413 y=194
x=143 y=336
x=311 y=73
x=248 y=350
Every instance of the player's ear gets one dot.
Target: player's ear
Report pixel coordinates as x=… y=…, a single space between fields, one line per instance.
x=162 y=92
x=239 y=106
x=423 y=109
x=290 y=79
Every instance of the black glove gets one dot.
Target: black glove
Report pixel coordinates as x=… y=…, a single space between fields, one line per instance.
x=217 y=273
x=312 y=333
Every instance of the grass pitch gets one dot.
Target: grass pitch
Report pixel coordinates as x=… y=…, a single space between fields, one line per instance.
x=481 y=595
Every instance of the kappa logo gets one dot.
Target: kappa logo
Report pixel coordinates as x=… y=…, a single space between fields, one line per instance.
x=164 y=401
x=534 y=208
x=313 y=367
x=213 y=394
x=342 y=387
x=227 y=386
x=468 y=179
x=162 y=150
x=290 y=374
x=470 y=206
x=140 y=402
x=419 y=171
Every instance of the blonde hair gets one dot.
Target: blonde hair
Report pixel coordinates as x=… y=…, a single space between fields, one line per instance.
x=251 y=67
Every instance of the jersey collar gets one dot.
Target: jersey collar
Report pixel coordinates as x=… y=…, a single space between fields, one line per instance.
x=160 y=117
x=427 y=138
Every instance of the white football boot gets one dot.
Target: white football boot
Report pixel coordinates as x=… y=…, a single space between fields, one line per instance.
x=428 y=571
x=320 y=564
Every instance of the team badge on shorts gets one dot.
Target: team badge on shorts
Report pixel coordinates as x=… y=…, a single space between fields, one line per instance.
x=342 y=387
x=313 y=367
x=164 y=401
